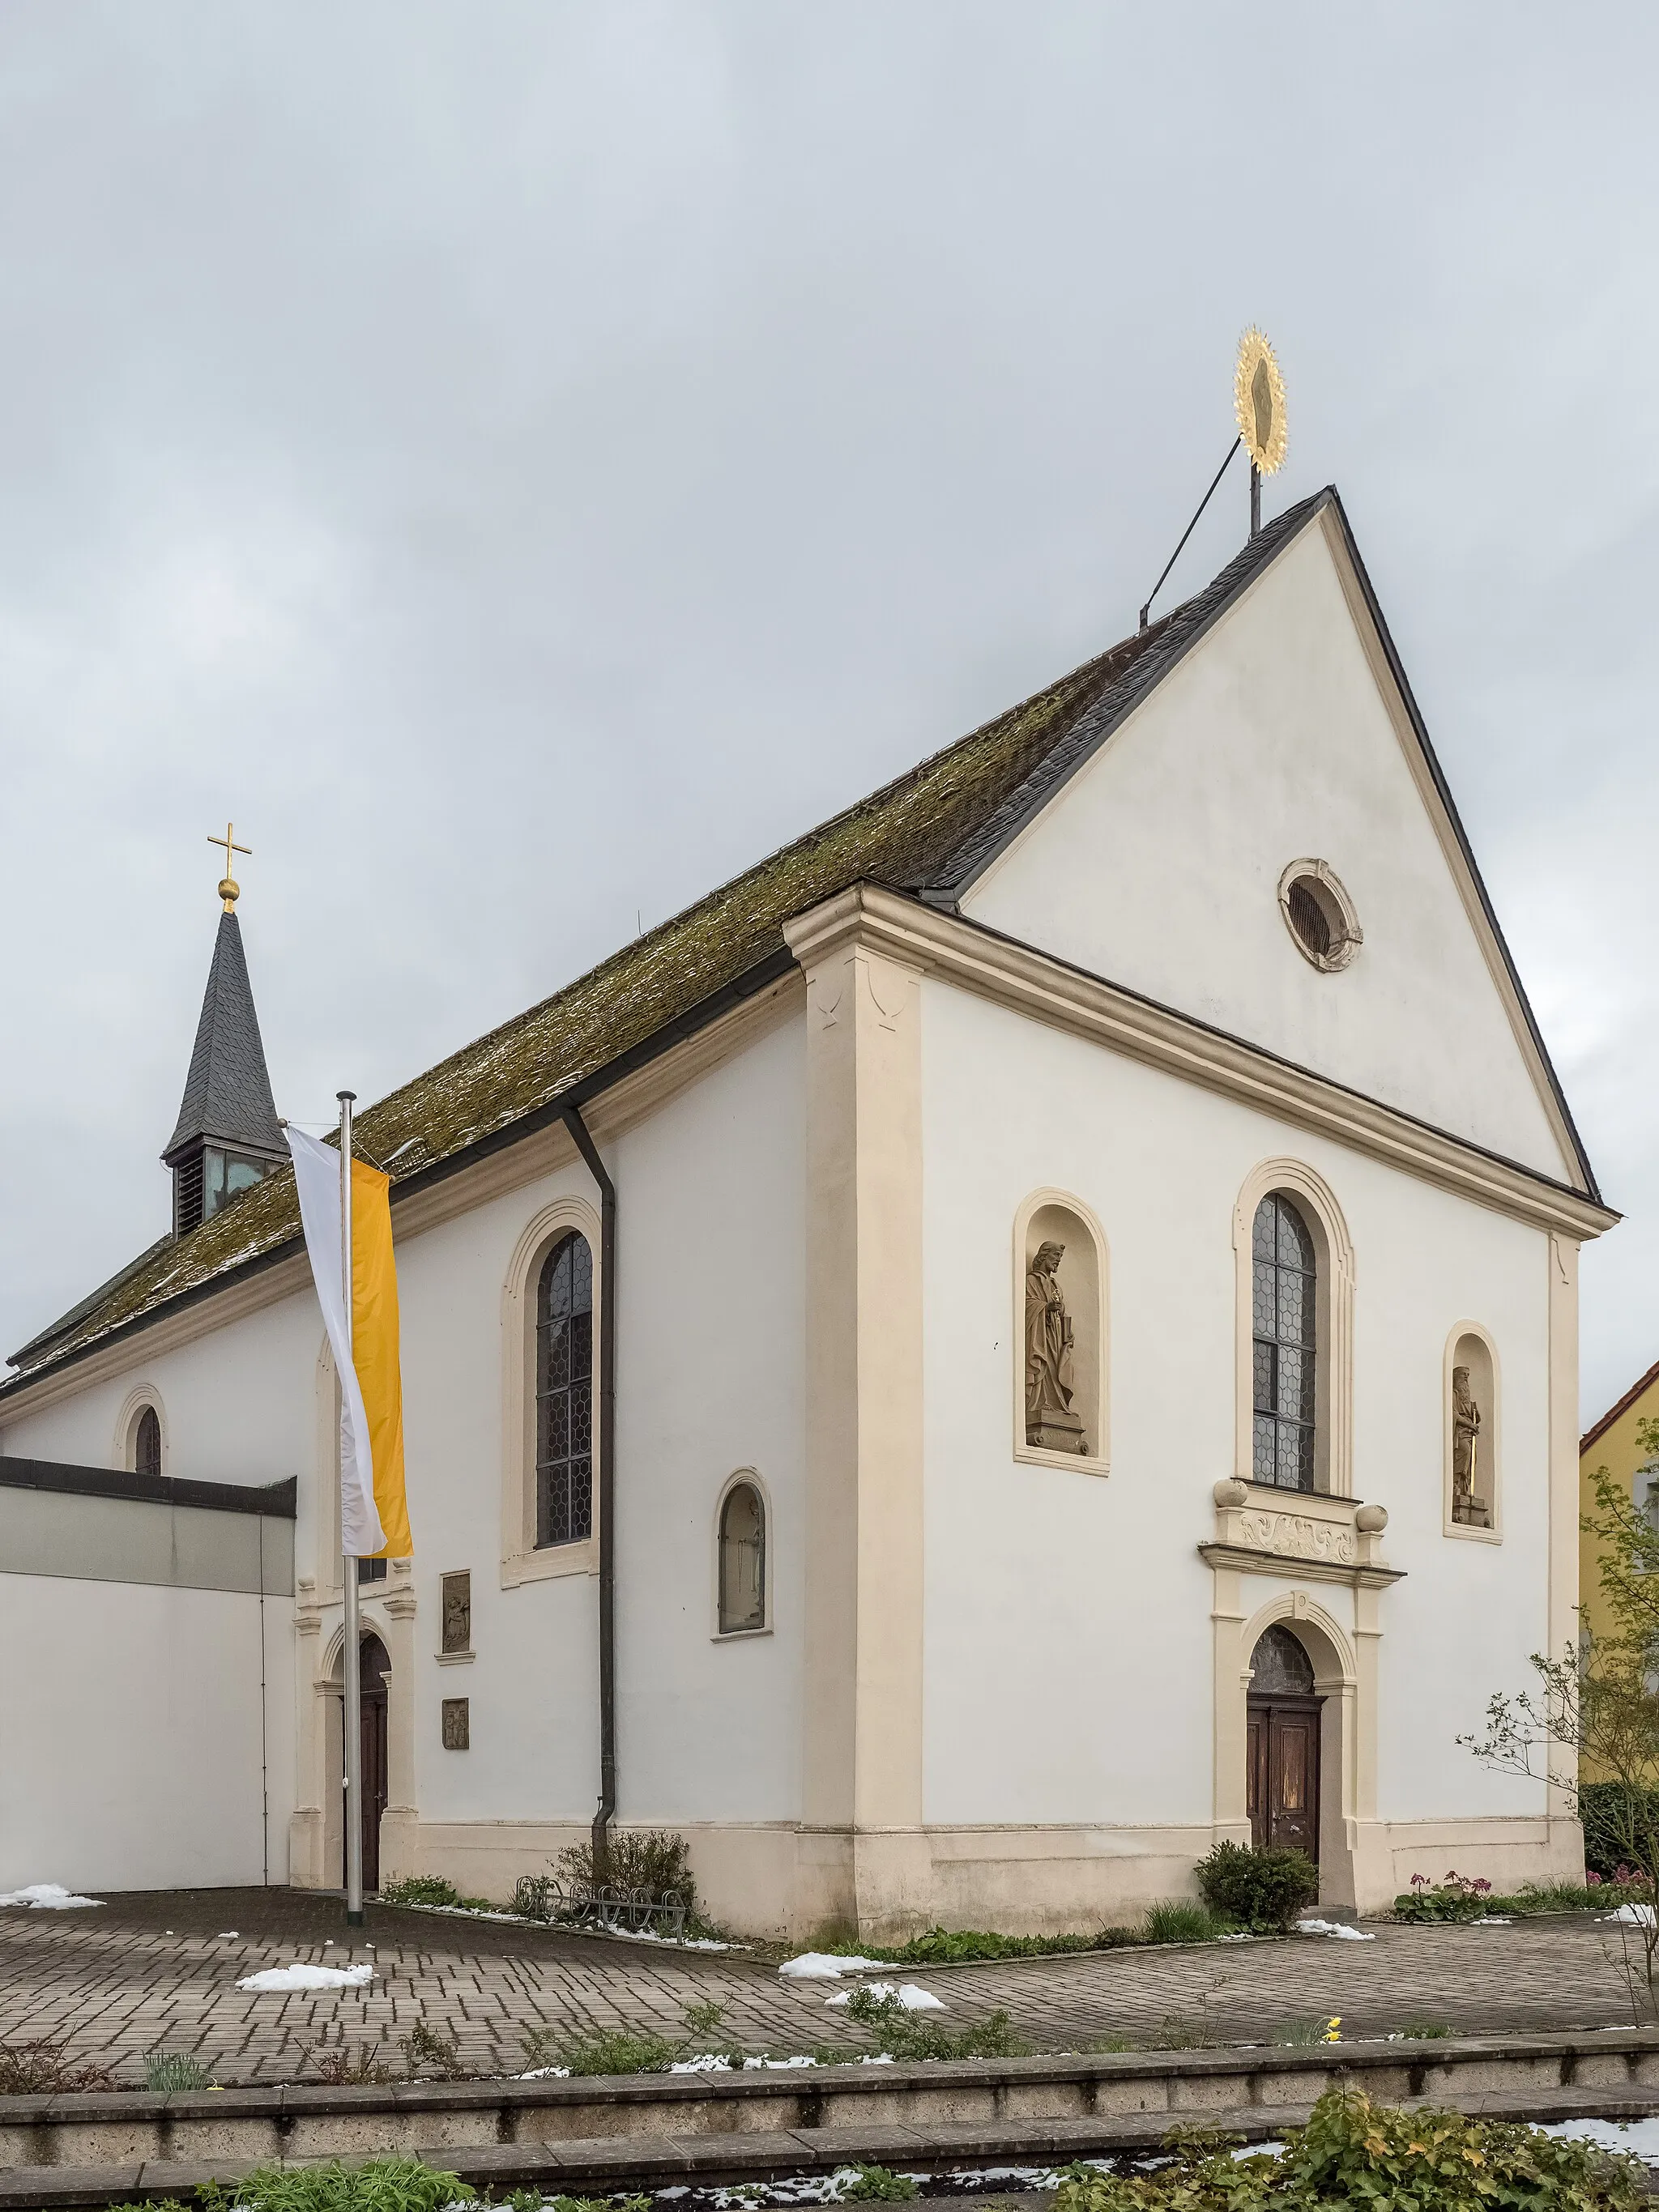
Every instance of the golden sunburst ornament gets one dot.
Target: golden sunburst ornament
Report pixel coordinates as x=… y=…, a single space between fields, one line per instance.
x=1258 y=402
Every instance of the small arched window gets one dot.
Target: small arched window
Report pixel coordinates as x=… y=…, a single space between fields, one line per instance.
x=564 y=1394
x=147 y=1442
x=742 y=1560
x=1284 y=1301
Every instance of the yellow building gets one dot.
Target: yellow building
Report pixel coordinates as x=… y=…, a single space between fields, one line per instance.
x=1612 y=1443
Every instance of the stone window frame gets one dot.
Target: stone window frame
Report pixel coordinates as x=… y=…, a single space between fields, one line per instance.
x=521 y=1561
x=1491 y=1433
x=1098 y=1462
x=143 y=1397
x=1333 y=1325
x=1347 y=936
x=756 y=1481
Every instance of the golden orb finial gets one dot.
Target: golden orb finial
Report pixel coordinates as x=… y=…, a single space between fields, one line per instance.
x=229 y=889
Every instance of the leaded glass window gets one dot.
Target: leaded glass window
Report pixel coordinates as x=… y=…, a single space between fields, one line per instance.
x=1283 y=1288
x=743 y=1560
x=564 y=1394
x=147 y=1442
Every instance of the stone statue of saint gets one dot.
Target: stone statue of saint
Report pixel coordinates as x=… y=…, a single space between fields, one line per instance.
x=1465 y=1429
x=1051 y=1424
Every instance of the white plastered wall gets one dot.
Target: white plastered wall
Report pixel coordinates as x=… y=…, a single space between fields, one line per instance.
x=710 y=1280
x=1068 y=1671
x=131 y=1745
x=1158 y=864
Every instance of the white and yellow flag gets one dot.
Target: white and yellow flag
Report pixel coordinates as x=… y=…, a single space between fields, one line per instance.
x=373 y=1510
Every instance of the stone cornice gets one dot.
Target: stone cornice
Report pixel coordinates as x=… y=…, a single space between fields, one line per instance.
x=1047 y=990
x=1289 y=1567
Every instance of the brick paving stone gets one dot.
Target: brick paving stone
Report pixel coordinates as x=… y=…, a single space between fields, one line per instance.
x=114 y=1983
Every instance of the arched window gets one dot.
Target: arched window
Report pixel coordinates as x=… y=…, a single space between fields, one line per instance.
x=743 y=1560
x=147 y=1442
x=1283 y=1302
x=564 y=1394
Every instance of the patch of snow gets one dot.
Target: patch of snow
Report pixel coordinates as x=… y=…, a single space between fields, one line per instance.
x=1634 y=1916
x=1640 y=2137
x=776 y=2066
x=549 y=2074
x=876 y=2058
x=707 y=2062
x=825 y=1966
x=49 y=1897
x=1340 y=1929
x=1269 y=2149
x=912 y=1998
x=230 y=1935
x=297 y=1977
x=1494 y=1920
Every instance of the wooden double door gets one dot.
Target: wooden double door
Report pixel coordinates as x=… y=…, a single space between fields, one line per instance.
x=1283 y=1773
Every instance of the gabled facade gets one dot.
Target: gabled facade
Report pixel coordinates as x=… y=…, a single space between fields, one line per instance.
x=1093 y=1321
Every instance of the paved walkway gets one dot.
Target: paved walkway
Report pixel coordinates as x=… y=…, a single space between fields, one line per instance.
x=158 y=1970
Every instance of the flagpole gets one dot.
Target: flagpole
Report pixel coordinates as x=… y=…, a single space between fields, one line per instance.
x=352 y=1717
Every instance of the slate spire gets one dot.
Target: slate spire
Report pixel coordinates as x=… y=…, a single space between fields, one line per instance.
x=228 y=1135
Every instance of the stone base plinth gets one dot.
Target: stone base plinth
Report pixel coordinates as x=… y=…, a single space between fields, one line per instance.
x=1058 y=1432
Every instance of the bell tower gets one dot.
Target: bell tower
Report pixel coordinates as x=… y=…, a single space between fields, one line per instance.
x=227 y=1137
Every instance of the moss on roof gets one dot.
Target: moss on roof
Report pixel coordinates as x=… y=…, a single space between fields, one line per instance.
x=904 y=835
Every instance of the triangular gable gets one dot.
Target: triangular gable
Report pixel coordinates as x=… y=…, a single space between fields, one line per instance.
x=1027 y=878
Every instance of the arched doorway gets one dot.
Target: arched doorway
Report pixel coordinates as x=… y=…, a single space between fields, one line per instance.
x=375 y=1664
x=1283 y=1755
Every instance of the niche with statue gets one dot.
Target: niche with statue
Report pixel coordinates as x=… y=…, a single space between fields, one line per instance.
x=1060 y=1306
x=1472 y=1432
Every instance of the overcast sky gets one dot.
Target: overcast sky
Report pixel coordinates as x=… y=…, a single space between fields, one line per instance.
x=526 y=461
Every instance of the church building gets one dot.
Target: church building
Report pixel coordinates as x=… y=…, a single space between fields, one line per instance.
x=1031 y=1332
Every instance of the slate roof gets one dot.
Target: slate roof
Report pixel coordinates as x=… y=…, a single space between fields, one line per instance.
x=228 y=1090
x=929 y=833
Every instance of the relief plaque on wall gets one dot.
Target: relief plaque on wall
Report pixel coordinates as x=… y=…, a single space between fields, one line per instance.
x=457 y=1724
x=457 y=1613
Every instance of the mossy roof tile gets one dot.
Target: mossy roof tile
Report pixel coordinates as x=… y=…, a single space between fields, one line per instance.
x=902 y=835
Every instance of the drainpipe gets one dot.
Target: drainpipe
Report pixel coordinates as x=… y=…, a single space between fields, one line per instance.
x=573 y=1121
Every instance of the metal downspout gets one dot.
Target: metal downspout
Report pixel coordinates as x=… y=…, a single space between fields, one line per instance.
x=573 y=1121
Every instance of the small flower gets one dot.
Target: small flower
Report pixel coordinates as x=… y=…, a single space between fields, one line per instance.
x=1421 y=1881
x=1592 y=1879
x=1481 y=1888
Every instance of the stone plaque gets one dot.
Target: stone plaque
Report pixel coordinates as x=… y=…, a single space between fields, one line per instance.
x=457 y=1613
x=458 y=1725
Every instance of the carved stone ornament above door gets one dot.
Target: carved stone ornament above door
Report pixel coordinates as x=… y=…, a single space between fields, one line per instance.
x=1324 y=1539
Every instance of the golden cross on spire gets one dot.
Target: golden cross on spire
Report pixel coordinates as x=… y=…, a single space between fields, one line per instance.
x=230 y=890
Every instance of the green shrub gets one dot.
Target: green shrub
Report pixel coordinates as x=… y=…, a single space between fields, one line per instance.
x=170 y=2073
x=384 y=2184
x=649 y=1863
x=608 y=2050
x=421 y=1889
x=918 y=2035
x=876 y=2185
x=945 y=1946
x=1460 y=1897
x=1263 y=1890
x=1355 y=2153
x=1425 y=2030
x=1177 y=1920
x=1608 y=1811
